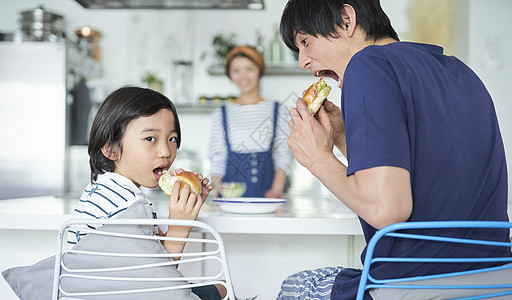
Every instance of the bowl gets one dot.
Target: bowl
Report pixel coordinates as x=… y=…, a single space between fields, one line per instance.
x=230 y=190
x=249 y=205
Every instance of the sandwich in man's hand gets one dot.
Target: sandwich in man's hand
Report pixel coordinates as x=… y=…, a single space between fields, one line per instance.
x=315 y=95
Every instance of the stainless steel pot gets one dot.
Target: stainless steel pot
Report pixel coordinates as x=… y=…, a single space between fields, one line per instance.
x=42 y=25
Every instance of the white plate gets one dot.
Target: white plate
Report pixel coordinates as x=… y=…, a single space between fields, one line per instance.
x=249 y=205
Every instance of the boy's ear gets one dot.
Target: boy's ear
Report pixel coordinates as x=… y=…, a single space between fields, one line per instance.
x=109 y=152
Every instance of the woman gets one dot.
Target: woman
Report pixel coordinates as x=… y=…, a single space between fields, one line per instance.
x=248 y=137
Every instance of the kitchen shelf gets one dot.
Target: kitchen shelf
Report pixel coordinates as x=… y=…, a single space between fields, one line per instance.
x=291 y=68
x=171 y=4
x=198 y=107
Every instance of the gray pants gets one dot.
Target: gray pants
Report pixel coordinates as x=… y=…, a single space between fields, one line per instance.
x=494 y=277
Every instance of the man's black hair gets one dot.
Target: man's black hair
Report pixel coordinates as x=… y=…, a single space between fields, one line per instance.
x=323 y=17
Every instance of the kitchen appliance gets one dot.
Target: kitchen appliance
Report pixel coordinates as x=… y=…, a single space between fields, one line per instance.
x=32 y=118
x=42 y=25
x=173 y=4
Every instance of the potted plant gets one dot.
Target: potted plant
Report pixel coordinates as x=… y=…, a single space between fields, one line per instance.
x=222 y=44
x=153 y=82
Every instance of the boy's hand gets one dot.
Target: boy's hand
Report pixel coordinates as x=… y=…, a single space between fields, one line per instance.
x=184 y=205
x=206 y=188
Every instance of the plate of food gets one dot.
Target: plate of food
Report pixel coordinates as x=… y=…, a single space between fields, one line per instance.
x=247 y=205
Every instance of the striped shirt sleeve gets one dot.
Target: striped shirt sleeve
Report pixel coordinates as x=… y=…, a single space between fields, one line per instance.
x=106 y=198
x=282 y=154
x=218 y=150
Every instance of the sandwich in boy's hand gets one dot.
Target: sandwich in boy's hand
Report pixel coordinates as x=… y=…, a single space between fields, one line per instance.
x=315 y=95
x=167 y=180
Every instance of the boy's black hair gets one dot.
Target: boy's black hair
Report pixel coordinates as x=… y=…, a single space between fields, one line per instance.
x=323 y=18
x=117 y=110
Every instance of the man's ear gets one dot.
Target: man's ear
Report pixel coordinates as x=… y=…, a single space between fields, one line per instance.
x=349 y=19
x=109 y=152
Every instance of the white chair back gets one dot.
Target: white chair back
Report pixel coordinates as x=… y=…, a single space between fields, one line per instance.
x=207 y=260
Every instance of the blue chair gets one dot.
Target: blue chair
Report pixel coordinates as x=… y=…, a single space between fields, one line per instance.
x=368 y=282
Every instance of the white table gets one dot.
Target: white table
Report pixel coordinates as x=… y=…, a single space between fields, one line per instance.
x=298 y=216
x=304 y=233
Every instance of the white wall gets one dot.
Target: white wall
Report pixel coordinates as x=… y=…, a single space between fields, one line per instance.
x=490 y=46
x=135 y=41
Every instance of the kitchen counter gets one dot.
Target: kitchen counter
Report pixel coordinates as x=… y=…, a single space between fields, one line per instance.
x=304 y=233
x=297 y=216
x=300 y=215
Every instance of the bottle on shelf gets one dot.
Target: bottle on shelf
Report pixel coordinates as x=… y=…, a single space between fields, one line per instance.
x=276 y=48
x=259 y=42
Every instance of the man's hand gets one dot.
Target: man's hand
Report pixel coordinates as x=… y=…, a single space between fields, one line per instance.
x=333 y=113
x=310 y=139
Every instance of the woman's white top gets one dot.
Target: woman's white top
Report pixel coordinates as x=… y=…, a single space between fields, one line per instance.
x=250 y=129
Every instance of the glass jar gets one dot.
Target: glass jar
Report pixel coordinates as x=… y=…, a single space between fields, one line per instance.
x=181 y=82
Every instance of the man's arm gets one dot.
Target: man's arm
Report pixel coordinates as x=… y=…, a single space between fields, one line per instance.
x=380 y=195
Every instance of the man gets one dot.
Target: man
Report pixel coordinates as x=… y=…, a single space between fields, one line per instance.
x=418 y=129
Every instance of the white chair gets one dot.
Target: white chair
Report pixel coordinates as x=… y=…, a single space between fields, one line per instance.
x=111 y=261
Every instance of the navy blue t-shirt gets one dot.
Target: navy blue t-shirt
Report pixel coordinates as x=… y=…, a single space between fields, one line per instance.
x=407 y=105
